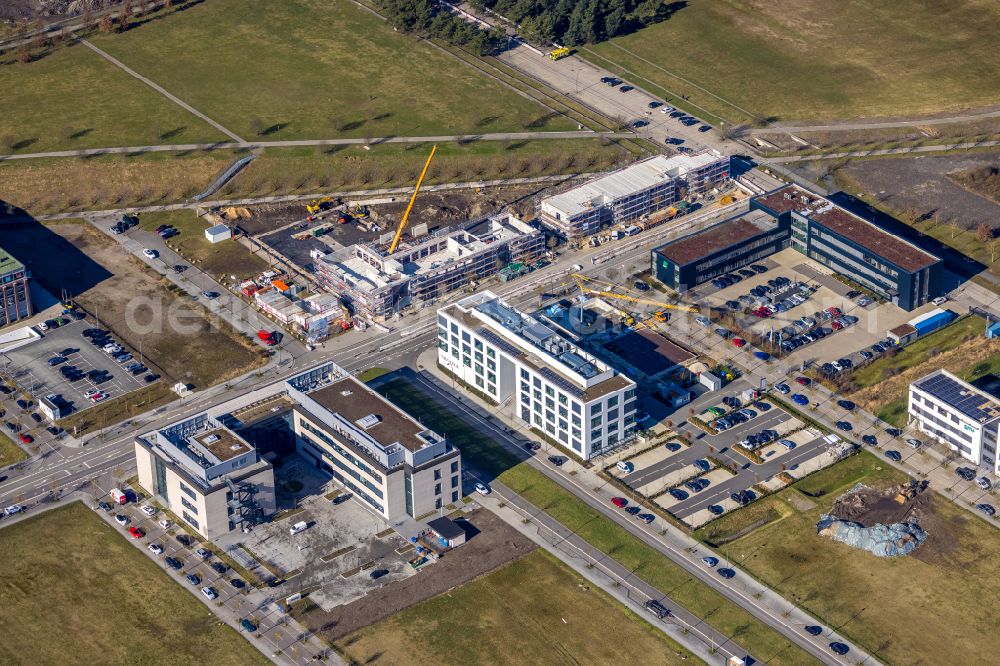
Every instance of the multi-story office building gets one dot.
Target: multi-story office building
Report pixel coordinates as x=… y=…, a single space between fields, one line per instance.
x=14 y=278
x=395 y=465
x=378 y=285
x=546 y=381
x=856 y=248
x=958 y=414
x=206 y=474
x=719 y=249
x=629 y=194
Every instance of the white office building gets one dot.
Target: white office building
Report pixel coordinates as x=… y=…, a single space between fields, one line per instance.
x=958 y=414
x=537 y=375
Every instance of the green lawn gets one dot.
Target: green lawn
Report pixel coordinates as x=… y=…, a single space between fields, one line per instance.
x=812 y=59
x=76 y=591
x=338 y=168
x=602 y=532
x=306 y=69
x=916 y=352
x=886 y=605
x=10 y=452
x=535 y=606
x=221 y=260
x=75 y=99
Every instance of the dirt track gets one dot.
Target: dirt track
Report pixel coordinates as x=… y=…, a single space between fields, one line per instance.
x=495 y=545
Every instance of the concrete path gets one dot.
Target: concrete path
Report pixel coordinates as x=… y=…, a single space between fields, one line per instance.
x=971 y=116
x=160 y=89
x=296 y=143
x=908 y=150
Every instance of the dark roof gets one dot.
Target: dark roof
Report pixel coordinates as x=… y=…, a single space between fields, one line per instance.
x=876 y=240
x=903 y=330
x=650 y=353
x=866 y=234
x=446 y=527
x=354 y=401
x=977 y=405
x=716 y=238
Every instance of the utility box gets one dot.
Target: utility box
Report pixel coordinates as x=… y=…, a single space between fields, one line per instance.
x=710 y=381
x=218 y=233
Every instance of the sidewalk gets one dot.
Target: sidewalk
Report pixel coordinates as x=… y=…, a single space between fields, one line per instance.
x=762 y=602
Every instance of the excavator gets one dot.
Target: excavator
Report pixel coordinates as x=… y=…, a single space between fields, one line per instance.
x=409 y=207
x=317 y=205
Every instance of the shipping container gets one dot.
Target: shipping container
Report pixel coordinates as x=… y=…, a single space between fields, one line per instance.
x=937 y=320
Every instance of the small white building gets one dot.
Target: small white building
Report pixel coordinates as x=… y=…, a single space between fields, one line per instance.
x=218 y=233
x=51 y=406
x=546 y=381
x=958 y=414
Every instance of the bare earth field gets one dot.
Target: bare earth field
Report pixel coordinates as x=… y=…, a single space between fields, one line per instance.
x=533 y=611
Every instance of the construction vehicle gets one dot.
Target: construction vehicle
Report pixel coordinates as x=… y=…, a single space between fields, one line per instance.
x=409 y=207
x=559 y=53
x=317 y=205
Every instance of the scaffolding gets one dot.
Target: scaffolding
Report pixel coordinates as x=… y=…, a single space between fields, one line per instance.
x=242 y=500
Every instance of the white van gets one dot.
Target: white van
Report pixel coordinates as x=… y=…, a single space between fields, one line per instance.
x=298 y=527
x=626 y=466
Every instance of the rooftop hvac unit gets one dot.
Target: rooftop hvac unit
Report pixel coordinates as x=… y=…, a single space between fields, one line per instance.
x=369 y=421
x=212 y=439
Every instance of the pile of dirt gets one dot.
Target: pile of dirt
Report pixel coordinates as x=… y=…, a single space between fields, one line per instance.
x=35 y=9
x=884 y=522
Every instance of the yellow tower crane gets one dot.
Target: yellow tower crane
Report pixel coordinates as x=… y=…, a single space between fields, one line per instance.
x=605 y=293
x=409 y=207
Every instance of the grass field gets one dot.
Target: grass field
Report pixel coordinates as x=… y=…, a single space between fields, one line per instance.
x=75 y=591
x=296 y=170
x=317 y=68
x=886 y=605
x=114 y=410
x=10 y=452
x=961 y=348
x=534 y=606
x=75 y=99
x=220 y=260
x=57 y=185
x=605 y=534
x=809 y=59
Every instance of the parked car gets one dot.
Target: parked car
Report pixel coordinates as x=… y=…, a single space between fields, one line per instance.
x=173 y=562
x=782 y=389
x=870 y=440
x=209 y=593
x=984 y=483
x=800 y=399
x=155 y=548
x=846 y=404
x=813 y=630
x=619 y=502
x=248 y=626
x=678 y=494
x=913 y=443
x=726 y=573
x=150 y=254
x=716 y=509
x=482 y=488
x=136 y=533
x=702 y=464
x=839 y=648
x=844 y=425
x=203 y=553
x=893 y=455
x=194 y=579
x=987 y=509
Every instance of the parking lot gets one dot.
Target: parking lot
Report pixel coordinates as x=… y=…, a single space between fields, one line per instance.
x=333 y=558
x=696 y=480
x=29 y=367
x=818 y=291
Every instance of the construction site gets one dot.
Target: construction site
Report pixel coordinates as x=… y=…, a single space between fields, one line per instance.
x=885 y=522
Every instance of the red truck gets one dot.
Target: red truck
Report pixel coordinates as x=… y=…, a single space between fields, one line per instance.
x=267 y=337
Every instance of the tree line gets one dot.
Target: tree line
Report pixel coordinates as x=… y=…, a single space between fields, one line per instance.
x=577 y=22
x=429 y=19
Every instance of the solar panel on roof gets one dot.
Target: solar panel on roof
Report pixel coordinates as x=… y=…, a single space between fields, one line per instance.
x=561 y=383
x=499 y=343
x=971 y=403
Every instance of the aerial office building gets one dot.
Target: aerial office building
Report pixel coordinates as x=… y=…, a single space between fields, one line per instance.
x=14 y=278
x=551 y=385
x=378 y=285
x=394 y=464
x=206 y=474
x=895 y=269
x=629 y=194
x=958 y=414
x=719 y=249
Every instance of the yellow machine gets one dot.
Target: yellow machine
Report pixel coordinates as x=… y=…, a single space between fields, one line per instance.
x=317 y=205
x=559 y=53
x=605 y=293
x=409 y=207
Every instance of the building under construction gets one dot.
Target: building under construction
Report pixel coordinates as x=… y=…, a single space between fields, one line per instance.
x=378 y=284
x=628 y=195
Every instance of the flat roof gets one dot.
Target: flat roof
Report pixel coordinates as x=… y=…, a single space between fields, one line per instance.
x=635 y=178
x=974 y=403
x=651 y=353
x=902 y=330
x=718 y=237
x=222 y=443
x=8 y=264
x=446 y=528
x=354 y=401
x=844 y=223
